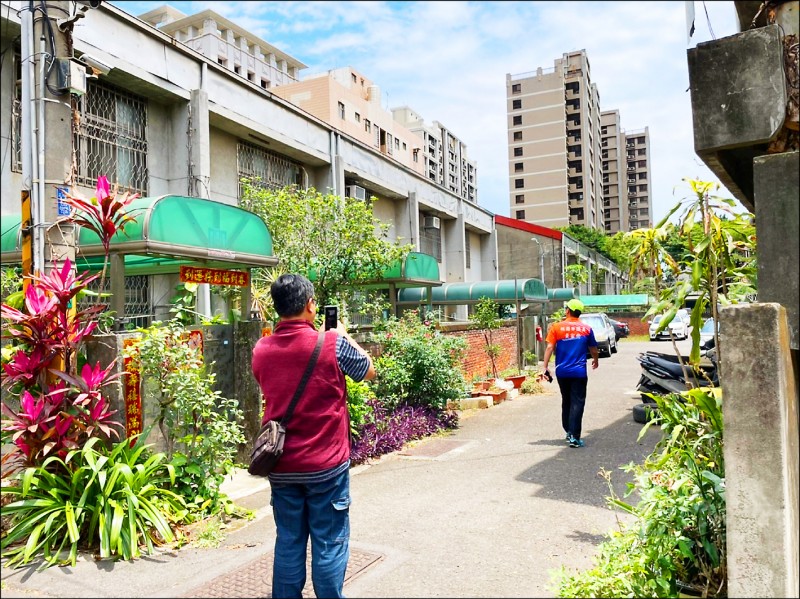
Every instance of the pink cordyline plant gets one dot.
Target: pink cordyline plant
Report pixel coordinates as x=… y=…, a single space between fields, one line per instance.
x=107 y=213
x=62 y=411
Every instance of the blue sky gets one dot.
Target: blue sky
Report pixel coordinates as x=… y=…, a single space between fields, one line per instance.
x=448 y=61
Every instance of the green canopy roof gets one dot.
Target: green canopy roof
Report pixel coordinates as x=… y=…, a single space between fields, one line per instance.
x=504 y=291
x=169 y=231
x=563 y=293
x=615 y=301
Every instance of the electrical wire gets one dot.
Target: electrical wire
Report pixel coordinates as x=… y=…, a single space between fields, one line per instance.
x=710 y=29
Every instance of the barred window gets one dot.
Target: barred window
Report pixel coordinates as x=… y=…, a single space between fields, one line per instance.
x=112 y=137
x=430 y=242
x=138 y=311
x=16 y=117
x=467 y=250
x=265 y=169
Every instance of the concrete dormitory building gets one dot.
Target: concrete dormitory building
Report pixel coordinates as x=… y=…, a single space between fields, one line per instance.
x=190 y=104
x=569 y=162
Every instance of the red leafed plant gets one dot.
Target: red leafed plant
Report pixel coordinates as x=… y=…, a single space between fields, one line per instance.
x=107 y=213
x=50 y=407
x=57 y=410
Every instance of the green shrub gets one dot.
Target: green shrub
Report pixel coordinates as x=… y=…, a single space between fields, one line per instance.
x=418 y=365
x=95 y=498
x=530 y=386
x=358 y=394
x=201 y=428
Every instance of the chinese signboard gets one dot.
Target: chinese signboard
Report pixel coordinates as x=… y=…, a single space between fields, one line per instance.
x=133 y=394
x=214 y=276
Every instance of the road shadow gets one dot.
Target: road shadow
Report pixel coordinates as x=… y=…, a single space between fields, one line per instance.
x=573 y=474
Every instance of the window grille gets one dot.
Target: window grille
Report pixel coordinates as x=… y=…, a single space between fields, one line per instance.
x=111 y=139
x=467 y=250
x=16 y=118
x=265 y=169
x=430 y=242
x=138 y=311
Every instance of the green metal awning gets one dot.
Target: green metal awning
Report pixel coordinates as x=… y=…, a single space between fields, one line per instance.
x=416 y=269
x=169 y=231
x=615 y=301
x=505 y=291
x=563 y=293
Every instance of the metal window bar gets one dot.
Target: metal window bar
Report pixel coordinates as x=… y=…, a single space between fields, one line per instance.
x=138 y=312
x=430 y=242
x=111 y=138
x=16 y=118
x=265 y=169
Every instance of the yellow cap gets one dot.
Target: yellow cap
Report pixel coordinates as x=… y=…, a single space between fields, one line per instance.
x=575 y=305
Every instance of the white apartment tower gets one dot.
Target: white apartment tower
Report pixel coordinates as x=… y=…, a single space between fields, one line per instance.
x=555 y=176
x=444 y=154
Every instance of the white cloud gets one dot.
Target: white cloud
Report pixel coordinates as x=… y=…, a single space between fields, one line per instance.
x=448 y=61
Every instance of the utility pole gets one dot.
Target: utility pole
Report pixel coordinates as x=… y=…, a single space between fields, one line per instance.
x=46 y=123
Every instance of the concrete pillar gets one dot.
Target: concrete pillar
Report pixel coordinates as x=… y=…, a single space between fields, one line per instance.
x=761 y=451
x=54 y=136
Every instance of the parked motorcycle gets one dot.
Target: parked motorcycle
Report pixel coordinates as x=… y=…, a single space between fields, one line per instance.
x=662 y=374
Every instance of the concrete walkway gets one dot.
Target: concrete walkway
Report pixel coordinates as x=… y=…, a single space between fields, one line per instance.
x=486 y=511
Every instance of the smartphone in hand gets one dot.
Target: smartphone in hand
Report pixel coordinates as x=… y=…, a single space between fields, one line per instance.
x=331 y=317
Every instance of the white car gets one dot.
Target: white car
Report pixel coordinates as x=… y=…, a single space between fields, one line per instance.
x=603 y=332
x=680 y=326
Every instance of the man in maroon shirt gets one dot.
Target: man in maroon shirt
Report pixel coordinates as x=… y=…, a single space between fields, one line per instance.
x=311 y=482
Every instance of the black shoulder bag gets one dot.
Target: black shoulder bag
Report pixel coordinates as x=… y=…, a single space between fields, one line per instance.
x=268 y=446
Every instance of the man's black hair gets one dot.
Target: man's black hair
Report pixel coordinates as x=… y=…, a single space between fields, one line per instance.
x=575 y=313
x=290 y=294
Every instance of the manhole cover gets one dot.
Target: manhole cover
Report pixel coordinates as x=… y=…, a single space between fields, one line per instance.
x=255 y=578
x=432 y=448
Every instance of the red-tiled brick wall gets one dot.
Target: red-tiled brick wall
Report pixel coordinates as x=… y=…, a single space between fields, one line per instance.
x=476 y=362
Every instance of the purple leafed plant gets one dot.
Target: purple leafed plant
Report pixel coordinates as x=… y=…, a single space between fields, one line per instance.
x=385 y=431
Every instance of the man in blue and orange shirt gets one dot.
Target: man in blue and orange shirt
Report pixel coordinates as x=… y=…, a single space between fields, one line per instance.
x=571 y=339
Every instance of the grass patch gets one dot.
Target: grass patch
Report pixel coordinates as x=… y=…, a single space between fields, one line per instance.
x=644 y=337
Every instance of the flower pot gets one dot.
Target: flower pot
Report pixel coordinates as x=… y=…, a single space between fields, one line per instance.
x=517 y=380
x=481 y=385
x=497 y=395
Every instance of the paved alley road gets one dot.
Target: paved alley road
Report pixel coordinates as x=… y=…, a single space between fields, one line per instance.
x=486 y=511
x=508 y=502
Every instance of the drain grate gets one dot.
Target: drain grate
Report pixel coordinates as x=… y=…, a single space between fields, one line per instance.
x=255 y=578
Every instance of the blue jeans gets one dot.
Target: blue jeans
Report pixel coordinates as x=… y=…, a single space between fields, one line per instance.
x=573 y=400
x=322 y=511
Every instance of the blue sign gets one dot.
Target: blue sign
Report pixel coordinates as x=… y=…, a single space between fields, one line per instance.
x=61 y=195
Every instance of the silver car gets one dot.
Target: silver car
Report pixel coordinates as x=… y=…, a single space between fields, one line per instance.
x=603 y=332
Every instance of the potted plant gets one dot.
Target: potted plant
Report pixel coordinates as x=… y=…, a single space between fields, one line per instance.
x=514 y=376
x=485 y=318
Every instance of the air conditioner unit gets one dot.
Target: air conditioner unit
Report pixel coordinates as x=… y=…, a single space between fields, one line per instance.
x=431 y=222
x=354 y=191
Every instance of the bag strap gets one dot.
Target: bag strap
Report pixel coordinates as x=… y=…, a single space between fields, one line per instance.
x=311 y=363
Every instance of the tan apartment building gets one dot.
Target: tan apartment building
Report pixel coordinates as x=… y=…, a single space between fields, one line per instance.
x=554 y=145
x=637 y=172
x=612 y=154
x=351 y=103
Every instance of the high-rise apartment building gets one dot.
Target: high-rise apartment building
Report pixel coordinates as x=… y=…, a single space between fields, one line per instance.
x=626 y=175
x=637 y=171
x=569 y=162
x=612 y=154
x=554 y=145
x=444 y=154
